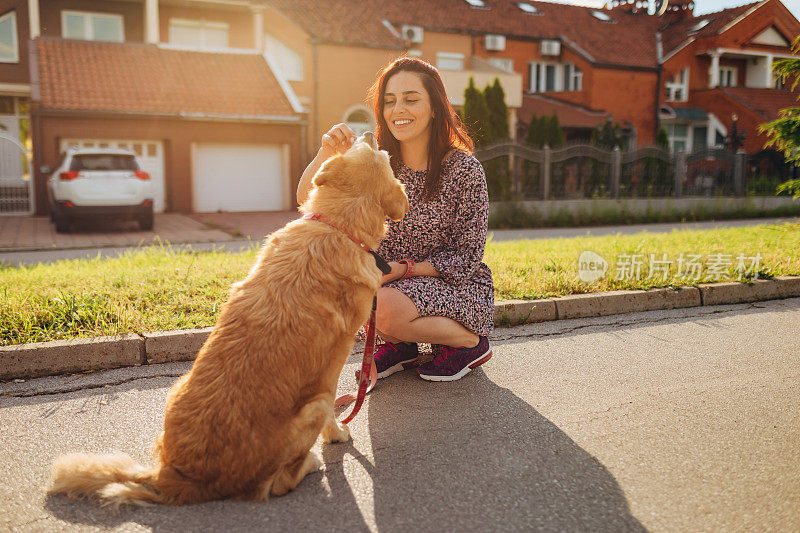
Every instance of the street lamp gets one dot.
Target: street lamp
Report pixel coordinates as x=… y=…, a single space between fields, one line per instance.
x=735 y=138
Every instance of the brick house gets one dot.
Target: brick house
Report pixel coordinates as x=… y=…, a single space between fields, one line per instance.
x=184 y=84
x=719 y=65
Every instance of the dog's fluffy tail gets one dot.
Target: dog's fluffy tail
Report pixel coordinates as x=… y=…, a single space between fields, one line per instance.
x=111 y=479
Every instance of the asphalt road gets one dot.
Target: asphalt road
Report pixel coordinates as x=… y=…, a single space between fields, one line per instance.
x=681 y=420
x=16 y=258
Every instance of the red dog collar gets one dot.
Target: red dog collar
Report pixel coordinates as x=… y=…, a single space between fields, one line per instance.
x=382 y=265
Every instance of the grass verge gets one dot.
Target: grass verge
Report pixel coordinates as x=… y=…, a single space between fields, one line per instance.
x=160 y=288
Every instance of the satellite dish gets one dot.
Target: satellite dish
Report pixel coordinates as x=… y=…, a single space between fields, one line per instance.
x=661 y=6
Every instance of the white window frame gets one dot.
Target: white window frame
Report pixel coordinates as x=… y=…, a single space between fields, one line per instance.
x=503 y=63
x=88 y=28
x=536 y=85
x=15 y=44
x=364 y=109
x=680 y=82
x=202 y=24
x=449 y=56
x=734 y=76
x=279 y=56
x=670 y=127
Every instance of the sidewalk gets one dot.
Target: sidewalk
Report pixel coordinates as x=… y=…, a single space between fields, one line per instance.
x=38 y=233
x=19 y=234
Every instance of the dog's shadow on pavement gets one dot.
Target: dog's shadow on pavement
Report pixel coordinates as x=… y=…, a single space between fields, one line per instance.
x=462 y=456
x=471 y=455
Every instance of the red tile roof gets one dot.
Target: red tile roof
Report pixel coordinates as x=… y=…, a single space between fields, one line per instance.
x=140 y=78
x=627 y=40
x=569 y=115
x=766 y=102
x=341 y=21
x=676 y=32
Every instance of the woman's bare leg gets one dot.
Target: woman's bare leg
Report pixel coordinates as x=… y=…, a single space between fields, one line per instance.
x=398 y=321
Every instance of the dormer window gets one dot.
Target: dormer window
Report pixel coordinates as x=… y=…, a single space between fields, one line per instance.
x=599 y=15
x=699 y=26
x=527 y=8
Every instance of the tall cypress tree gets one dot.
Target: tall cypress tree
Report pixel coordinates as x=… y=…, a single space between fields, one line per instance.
x=555 y=135
x=475 y=113
x=498 y=111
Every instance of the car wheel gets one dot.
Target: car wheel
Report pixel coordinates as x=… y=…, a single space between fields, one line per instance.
x=146 y=221
x=62 y=225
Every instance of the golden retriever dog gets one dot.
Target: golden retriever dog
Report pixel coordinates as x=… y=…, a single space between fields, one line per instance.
x=241 y=423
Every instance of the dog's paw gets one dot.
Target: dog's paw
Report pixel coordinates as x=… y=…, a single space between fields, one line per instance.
x=336 y=432
x=314 y=461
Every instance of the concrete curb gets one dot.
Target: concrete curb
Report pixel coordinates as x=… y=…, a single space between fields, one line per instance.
x=101 y=353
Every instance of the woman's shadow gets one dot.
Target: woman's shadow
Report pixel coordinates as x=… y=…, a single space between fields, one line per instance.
x=471 y=455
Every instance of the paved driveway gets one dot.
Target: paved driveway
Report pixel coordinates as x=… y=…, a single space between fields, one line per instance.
x=38 y=233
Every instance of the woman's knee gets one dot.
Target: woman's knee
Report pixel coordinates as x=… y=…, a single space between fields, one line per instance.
x=395 y=310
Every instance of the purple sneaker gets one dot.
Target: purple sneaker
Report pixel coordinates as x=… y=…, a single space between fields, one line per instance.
x=451 y=363
x=393 y=357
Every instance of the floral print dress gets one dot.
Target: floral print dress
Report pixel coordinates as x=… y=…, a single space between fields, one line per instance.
x=450 y=233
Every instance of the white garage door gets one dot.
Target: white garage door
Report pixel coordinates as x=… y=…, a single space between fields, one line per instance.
x=240 y=177
x=150 y=154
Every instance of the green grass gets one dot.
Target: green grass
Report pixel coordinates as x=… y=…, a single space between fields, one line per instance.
x=159 y=288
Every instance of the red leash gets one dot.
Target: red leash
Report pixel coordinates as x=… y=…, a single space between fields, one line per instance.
x=369 y=375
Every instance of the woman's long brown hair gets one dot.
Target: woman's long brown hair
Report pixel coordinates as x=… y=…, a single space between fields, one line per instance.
x=447 y=132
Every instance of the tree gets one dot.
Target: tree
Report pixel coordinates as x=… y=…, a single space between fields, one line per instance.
x=497 y=126
x=475 y=113
x=785 y=130
x=555 y=135
x=498 y=177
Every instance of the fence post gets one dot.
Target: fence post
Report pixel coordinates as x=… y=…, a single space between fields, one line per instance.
x=512 y=169
x=738 y=172
x=680 y=172
x=616 y=171
x=546 y=172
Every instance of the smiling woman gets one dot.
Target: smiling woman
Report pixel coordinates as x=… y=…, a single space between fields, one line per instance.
x=439 y=290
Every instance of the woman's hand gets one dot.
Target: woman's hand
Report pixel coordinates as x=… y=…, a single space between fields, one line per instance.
x=397 y=272
x=336 y=141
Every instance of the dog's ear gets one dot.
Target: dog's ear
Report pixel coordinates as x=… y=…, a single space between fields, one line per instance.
x=394 y=201
x=328 y=172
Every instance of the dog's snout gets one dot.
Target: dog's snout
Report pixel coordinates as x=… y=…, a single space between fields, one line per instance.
x=369 y=138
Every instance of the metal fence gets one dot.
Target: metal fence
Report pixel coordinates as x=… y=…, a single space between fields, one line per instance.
x=16 y=188
x=586 y=171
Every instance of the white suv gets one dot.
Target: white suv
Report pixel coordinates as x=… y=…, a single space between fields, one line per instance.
x=99 y=182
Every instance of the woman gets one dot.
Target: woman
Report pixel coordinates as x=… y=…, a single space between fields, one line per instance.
x=439 y=291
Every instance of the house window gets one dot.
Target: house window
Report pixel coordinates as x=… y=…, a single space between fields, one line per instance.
x=546 y=76
x=198 y=33
x=678 y=136
x=503 y=63
x=699 y=138
x=677 y=89
x=9 y=53
x=92 y=26
x=573 y=77
x=287 y=60
x=727 y=76
x=359 y=119
x=449 y=61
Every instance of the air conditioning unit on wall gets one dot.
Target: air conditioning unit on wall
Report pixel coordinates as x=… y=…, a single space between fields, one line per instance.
x=412 y=33
x=495 y=42
x=550 y=48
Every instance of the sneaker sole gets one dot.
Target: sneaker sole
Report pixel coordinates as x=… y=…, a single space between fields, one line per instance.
x=403 y=365
x=464 y=371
